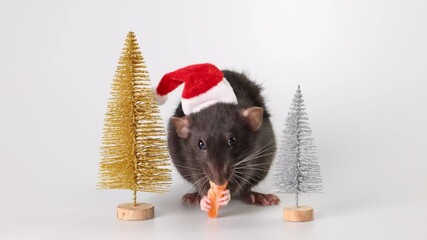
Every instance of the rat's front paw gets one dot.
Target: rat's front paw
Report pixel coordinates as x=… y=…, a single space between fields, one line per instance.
x=205 y=204
x=225 y=199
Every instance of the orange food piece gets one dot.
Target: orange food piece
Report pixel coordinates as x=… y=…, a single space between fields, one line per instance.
x=215 y=193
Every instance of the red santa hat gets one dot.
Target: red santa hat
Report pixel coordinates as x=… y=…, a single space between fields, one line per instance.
x=204 y=85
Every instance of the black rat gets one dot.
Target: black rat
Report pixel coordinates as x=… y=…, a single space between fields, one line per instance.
x=225 y=142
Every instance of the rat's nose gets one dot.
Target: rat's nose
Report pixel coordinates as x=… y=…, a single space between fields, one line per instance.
x=217 y=174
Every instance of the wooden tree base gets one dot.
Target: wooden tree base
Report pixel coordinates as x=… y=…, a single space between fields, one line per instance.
x=298 y=214
x=142 y=211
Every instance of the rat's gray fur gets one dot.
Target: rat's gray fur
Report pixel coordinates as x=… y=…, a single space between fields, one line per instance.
x=246 y=163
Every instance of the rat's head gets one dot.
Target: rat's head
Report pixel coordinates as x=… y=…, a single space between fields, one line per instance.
x=218 y=137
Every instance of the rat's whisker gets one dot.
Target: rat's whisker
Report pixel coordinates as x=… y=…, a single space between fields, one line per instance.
x=190 y=175
x=202 y=186
x=233 y=185
x=252 y=169
x=237 y=183
x=252 y=158
x=195 y=183
x=252 y=176
x=252 y=165
x=262 y=149
x=186 y=167
x=255 y=164
x=249 y=171
x=252 y=173
x=242 y=178
x=198 y=181
x=265 y=148
x=248 y=153
x=260 y=152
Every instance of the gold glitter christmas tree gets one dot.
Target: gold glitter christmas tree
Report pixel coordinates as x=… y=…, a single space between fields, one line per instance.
x=134 y=151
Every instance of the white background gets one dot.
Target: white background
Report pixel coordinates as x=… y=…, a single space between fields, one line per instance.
x=362 y=66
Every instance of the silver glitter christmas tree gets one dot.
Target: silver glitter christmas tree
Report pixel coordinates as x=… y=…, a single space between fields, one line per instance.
x=297 y=169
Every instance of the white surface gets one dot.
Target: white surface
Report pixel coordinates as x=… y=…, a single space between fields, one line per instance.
x=361 y=66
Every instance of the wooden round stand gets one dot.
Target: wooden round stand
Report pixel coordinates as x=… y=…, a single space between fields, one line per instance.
x=298 y=214
x=128 y=212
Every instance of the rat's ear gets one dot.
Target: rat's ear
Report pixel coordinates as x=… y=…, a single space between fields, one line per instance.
x=182 y=126
x=253 y=116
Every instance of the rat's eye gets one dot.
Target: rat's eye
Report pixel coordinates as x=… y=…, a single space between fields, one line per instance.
x=231 y=141
x=202 y=145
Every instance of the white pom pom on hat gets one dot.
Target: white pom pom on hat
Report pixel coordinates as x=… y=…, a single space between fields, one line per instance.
x=204 y=85
x=159 y=99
